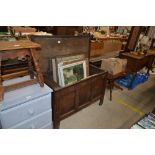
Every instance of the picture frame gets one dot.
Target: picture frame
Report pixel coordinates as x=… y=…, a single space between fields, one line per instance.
x=72 y=72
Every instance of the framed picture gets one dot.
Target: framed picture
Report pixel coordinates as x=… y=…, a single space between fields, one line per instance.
x=71 y=73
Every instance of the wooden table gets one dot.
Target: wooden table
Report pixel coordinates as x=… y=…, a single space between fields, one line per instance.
x=14 y=49
x=137 y=62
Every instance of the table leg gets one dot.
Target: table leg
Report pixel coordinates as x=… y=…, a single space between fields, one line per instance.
x=37 y=67
x=1 y=86
x=101 y=100
x=111 y=87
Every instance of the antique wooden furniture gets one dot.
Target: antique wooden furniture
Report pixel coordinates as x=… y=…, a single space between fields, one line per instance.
x=111 y=81
x=70 y=99
x=14 y=49
x=26 y=108
x=136 y=62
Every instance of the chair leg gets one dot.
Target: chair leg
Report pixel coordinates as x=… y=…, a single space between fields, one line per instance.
x=37 y=67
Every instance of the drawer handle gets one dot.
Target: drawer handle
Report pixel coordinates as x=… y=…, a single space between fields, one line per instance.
x=31 y=111
x=32 y=126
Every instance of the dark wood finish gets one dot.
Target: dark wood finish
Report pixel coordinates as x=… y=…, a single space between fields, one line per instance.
x=57 y=46
x=133 y=38
x=13 y=70
x=9 y=50
x=66 y=30
x=111 y=81
x=70 y=99
x=137 y=62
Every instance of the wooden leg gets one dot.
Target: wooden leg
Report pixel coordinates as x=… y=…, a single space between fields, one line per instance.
x=37 y=67
x=104 y=86
x=101 y=101
x=1 y=86
x=148 y=71
x=30 y=67
x=111 y=87
x=56 y=124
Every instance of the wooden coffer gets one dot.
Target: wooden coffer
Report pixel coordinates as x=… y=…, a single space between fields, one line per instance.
x=72 y=98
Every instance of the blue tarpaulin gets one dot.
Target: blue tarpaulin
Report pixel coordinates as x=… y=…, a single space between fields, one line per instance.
x=131 y=81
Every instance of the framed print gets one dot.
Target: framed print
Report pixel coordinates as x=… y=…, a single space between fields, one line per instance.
x=71 y=73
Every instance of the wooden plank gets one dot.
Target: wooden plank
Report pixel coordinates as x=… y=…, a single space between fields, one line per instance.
x=20 y=85
x=14 y=75
x=14 y=45
x=8 y=71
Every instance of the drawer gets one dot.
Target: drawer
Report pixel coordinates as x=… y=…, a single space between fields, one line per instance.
x=48 y=126
x=36 y=122
x=25 y=111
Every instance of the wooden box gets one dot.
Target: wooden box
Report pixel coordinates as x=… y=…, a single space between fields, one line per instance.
x=70 y=99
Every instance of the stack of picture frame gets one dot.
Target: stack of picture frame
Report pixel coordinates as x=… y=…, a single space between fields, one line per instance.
x=68 y=70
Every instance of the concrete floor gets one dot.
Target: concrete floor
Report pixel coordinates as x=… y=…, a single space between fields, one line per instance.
x=126 y=108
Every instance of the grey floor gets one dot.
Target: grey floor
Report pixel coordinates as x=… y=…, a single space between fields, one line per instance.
x=126 y=108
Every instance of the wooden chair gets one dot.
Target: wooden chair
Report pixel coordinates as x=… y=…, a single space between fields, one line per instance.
x=14 y=49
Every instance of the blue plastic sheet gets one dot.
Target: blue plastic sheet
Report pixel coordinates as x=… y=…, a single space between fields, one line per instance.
x=131 y=81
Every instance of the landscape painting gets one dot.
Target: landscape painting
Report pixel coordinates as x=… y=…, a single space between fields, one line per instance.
x=74 y=72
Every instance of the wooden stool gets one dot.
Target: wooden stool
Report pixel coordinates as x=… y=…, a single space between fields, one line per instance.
x=111 y=81
x=14 y=49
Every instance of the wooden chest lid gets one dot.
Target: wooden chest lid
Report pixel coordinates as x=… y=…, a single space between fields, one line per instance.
x=55 y=46
x=14 y=45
